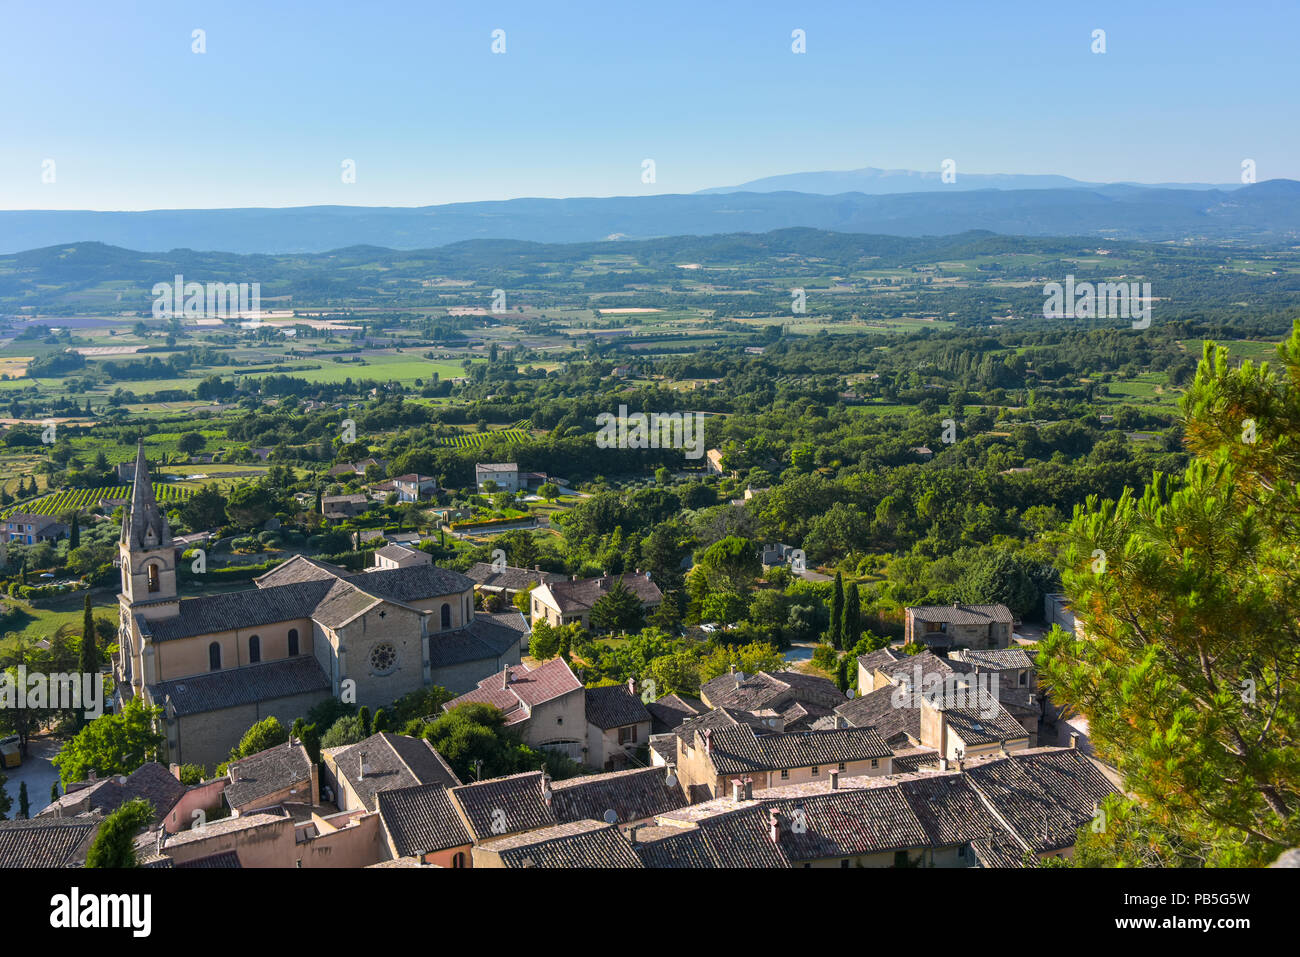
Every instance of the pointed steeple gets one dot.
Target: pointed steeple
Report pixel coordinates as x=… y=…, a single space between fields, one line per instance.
x=144 y=526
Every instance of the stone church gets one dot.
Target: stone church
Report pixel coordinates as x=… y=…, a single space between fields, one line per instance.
x=308 y=631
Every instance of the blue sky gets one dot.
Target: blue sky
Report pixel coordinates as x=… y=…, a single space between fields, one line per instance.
x=709 y=90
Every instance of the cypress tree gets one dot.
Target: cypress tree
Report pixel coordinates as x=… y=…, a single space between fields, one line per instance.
x=54 y=792
x=837 y=612
x=364 y=715
x=24 y=804
x=851 y=629
x=89 y=659
x=74 y=533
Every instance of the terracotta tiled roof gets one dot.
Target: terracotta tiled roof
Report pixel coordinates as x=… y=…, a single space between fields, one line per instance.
x=876 y=709
x=527 y=689
x=668 y=712
x=581 y=595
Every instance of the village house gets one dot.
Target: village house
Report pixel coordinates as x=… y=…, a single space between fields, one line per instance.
x=337 y=508
x=400 y=556
x=580 y=844
x=414 y=487
x=24 y=528
x=47 y=841
x=959 y=626
x=562 y=603
x=219 y=663
x=711 y=759
x=508 y=581
x=354 y=775
x=618 y=725
x=422 y=822
x=547 y=704
x=505 y=475
x=284 y=773
x=795 y=700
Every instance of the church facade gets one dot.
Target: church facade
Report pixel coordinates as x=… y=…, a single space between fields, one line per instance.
x=307 y=632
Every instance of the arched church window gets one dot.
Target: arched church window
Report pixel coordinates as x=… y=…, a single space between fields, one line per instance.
x=446 y=615
x=154 y=583
x=254 y=649
x=214 y=656
x=293 y=642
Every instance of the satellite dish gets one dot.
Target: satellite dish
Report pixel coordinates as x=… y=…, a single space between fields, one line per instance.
x=671 y=780
x=611 y=817
x=850 y=693
x=740 y=676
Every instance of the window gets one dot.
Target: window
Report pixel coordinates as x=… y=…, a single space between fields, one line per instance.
x=254 y=649
x=1023 y=677
x=154 y=584
x=458 y=860
x=446 y=615
x=214 y=657
x=816 y=770
x=844 y=863
x=559 y=720
x=383 y=658
x=785 y=774
x=875 y=762
x=900 y=858
x=293 y=642
x=843 y=767
x=627 y=735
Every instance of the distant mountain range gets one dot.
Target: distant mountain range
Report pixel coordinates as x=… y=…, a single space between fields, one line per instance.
x=1266 y=212
x=880 y=182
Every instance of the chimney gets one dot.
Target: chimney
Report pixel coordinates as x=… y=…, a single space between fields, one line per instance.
x=708 y=740
x=749 y=789
x=92 y=776
x=361 y=765
x=1074 y=741
x=835 y=779
x=943 y=764
x=1002 y=747
x=737 y=790
x=774 y=825
x=546 y=788
x=631 y=832
x=631 y=686
x=505 y=679
x=732 y=669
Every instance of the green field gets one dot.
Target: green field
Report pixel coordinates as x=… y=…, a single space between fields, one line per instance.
x=56 y=503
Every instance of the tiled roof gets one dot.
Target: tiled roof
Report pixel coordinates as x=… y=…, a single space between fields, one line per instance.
x=421 y=820
x=485 y=637
x=913 y=759
x=392 y=761
x=772 y=690
x=632 y=796
x=258 y=775
x=45 y=842
x=668 y=712
x=497 y=466
x=927 y=661
x=739 y=750
x=504 y=805
x=739 y=839
x=999 y=659
x=876 y=709
x=581 y=595
x=715 y=720
x=231 y=687
x=527 y=688
x=948 y=808
x=578 y=844
x=962 y=614
x=614 y=706
x=986 y=722
x=227 y=825
x=876 y=659
x=404 y=555
x=412 y=583
x=999 y=850
x=222 y=859
x=848 y=823
x=510 y=578
x=1045 y=794
x=249 y=608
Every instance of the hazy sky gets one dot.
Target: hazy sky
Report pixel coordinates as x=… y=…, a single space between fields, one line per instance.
x=711 y=91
